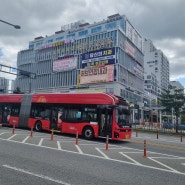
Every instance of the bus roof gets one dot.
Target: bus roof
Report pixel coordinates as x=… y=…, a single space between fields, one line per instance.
x=70 y=98
x=78 y=98
x=9 y=98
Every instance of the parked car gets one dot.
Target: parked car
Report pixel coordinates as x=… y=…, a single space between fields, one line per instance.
x=167 y=125
x=181 y=126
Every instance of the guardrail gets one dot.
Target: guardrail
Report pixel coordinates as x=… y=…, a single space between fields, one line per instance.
x=157 y=127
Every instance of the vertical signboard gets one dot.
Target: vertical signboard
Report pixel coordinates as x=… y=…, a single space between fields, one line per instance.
x=133 y=35
x=129 y=49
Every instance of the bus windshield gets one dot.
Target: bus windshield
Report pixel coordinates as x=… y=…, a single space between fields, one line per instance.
x=123 y=117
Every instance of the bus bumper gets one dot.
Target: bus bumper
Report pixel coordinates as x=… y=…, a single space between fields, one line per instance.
x=122 y=134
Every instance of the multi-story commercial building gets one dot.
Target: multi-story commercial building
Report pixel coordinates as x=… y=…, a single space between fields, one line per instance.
x=156 y=67
x=104 y=56
x=156 y=76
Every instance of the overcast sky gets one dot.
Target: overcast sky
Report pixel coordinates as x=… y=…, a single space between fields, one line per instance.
x=162 y=21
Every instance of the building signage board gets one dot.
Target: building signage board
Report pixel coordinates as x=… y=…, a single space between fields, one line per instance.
x=99 y=57
x=130 y=49
x=100 y=63
x=97 y=75
x=65 y=64
x=134 y=36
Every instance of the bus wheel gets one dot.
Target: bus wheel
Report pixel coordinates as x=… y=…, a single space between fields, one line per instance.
x=38 y=126
x=88 y=133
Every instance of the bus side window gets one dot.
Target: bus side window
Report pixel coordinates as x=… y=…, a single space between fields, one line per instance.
x=34 y=112
x=60 y=115
x=42 y=113
x=15 y=111
x=72 y=115
x=89 y=117
x=78 y=115
x=47 y=114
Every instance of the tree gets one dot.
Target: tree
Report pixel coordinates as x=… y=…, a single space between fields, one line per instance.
x=173 y=99
x=183 y=117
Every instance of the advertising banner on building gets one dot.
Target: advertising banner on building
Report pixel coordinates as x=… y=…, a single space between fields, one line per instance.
x=129 y=49
x=97 y=75
x=65 y=64
x=98 y=58
x=134 y=36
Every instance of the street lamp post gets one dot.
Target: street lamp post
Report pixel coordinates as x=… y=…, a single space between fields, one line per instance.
x=15 y=26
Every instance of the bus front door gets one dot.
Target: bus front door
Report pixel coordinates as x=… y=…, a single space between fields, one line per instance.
x=5 y=114
x=56 y=121
x=105 y=123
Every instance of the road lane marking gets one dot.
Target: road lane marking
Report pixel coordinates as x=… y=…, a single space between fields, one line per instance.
x=103 y=154
x=59 y=146
x=3 y=133
x=135 y=162
x=25 y=139
x=11 y=137
x=40 y=142
x=79 y=149
x=34 y=174
x=163 y=165
x=111 y=159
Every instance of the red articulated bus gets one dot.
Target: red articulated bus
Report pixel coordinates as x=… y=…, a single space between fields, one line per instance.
x=89 y=114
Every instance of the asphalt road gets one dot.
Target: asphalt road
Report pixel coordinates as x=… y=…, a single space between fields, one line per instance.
x=40 y=160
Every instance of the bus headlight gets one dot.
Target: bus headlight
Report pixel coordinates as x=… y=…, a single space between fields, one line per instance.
x=116 y=135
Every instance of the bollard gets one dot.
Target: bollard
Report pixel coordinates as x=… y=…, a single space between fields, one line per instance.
x=144 y=149
x=107 y=142
x=157 y=134
x=13 y=129
x=181 y=136
x=31 y=132
x=136 y=133
x=52 y=134
x=76 y=138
